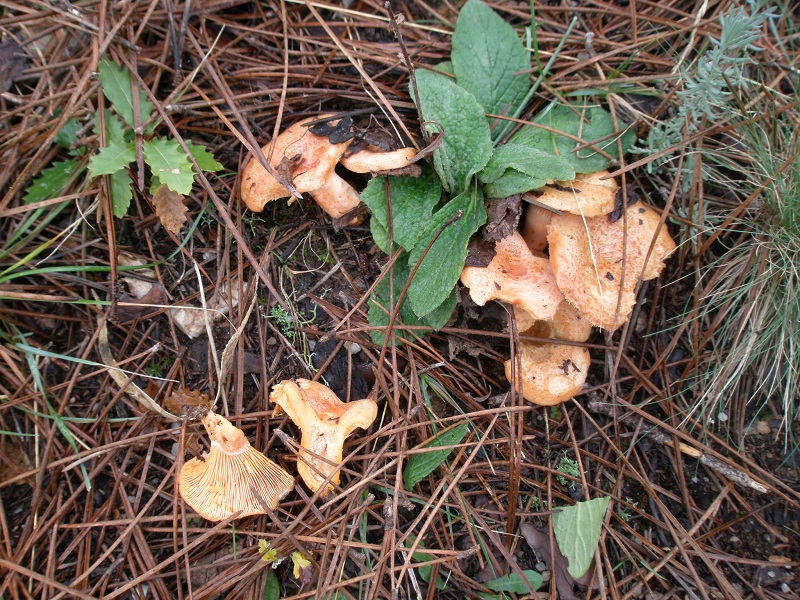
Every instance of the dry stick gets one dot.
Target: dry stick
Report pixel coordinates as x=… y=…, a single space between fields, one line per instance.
x=660 y=437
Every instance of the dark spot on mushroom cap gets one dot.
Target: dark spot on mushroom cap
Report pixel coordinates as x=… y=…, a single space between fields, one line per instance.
x=497 y=286
x=609 y=276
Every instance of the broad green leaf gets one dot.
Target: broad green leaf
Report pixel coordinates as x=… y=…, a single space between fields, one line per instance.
x=117 y=87
x=121 y=192
x=379 y=235
x=487 y=59
x=68 y=135
x=577 y=530
x=205 y=159
x=513 y=583
x=449 y=109
x=379 y=308
x=445 y=67
x=419 y=466
x=170 y=164
x=115 y=129
x=112 y=158
x=589 y=124
x=512 y=182
x=529 y=161
x=50 y=181
x=413 y=200
x=272 y=587
x=440 y=269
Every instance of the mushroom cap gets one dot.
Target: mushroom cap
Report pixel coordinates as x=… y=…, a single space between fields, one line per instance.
x=515 y=276
x=550 y=373
x=586 y=255
x=587 y=195
x=567 y=324
x=325 y=422
x=369 y=161
x=308 y=159
x=233 y=477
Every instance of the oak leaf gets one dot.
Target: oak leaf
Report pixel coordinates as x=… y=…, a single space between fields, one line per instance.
x=170 y=209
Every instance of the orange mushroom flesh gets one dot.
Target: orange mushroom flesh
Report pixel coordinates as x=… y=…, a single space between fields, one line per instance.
x=587 y=195
x=233 y=477
x=370 y=161
x=566 y=324
x=587 y=258
x=325 y=423
x=515 y=276
x=309 y=161
x=549 y=374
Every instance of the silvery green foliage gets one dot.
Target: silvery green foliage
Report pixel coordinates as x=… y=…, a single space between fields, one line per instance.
x=707 y=82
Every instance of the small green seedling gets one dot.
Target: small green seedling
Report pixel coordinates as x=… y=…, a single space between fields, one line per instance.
x=569 y=467
x=169 y=163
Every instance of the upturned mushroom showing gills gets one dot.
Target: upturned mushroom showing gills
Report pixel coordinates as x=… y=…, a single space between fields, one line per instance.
x=587 y=195
x=233 y=477
x=515 y=276
x=598 y=263
x=325 y=422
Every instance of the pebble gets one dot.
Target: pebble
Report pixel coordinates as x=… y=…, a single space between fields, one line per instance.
x=352 y=347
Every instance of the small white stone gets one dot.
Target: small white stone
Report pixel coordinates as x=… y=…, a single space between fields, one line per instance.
x=352 y=347
x=723 y=416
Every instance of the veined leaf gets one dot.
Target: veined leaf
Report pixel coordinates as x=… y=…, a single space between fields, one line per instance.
x=205 y=159
x=512 y=182
x=67 y=136
x=170 y=164
x=591 y=125
x=530 y=161
x=380 y=308
x=170 y=209
x=112 y=158
x=577 y=530
x=466 y=146
x=513 y=583
x=488 y=57
x=423 y=464
x=51 y=181
x=117 y=87
x=440 y=269
x=121 y=192
x=413 y=200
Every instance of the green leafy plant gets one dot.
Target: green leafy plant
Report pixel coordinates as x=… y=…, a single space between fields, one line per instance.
x=577 y=531
x=434 y=217
x=169 y=163
x=423 y=464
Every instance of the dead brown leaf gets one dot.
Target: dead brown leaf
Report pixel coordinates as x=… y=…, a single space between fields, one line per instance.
x=170 y=209
x=186 y=397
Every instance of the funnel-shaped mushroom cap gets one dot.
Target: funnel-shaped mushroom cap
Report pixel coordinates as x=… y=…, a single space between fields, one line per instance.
x=309 y=160
x=325 y=422
x=587 y=195
x=515 y=276
x=587 y=258
x=550 y=373
x=370 y=161
x=232 y=477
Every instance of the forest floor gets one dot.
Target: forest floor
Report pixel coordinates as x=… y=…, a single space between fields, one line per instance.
x=708 y=507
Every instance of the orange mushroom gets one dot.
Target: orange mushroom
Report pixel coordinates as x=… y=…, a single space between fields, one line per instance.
x=309 y=160
x=515 y=276
x=233 y=477
x=549 y=374
x=591 y=258
x=325 y=422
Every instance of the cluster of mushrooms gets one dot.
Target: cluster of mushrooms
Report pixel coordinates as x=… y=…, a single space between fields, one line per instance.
x=233 y=477
x=597 y=252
